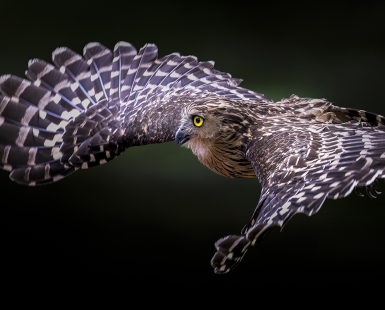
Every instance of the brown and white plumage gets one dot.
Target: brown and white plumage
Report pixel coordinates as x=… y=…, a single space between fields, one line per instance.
x=85 y=111
x=304 y=151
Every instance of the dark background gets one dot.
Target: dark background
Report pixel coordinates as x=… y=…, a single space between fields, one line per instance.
x=149 y=219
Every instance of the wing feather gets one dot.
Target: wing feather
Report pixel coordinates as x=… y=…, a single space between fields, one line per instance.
x=124 y=54
x=100 y=60
x=299 y=167
x=77 y=69
x=140 y=63
x=84 y=111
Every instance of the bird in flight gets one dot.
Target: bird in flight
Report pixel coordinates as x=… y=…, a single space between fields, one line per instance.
x=83 y=111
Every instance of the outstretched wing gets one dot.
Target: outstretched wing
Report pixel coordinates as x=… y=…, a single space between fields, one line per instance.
x=299 y=167
x=84 y=111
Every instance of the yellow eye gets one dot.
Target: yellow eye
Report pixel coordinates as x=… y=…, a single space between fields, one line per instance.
x=198 y=121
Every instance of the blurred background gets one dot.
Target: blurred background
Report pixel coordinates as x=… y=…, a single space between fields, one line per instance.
x=151 y=217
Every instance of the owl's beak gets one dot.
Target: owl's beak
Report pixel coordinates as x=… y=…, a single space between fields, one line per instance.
x=181 y=137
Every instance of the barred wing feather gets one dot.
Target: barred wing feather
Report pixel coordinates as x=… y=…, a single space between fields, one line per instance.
x=312 y=163
x=85 y=110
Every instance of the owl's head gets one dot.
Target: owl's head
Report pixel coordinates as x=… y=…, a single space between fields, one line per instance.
x=215 y=132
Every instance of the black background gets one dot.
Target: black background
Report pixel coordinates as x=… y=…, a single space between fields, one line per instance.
x=149 y=219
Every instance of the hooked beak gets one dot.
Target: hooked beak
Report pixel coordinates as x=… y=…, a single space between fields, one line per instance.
x=181 y=137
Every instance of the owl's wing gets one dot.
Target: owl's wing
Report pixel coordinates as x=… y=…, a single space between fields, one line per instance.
x=299 y=168
x=84 y=111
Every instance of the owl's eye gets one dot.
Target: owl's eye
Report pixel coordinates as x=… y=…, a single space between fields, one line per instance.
x=198 y=121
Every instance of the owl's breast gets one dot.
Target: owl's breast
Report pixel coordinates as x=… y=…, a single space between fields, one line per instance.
x=222 y=159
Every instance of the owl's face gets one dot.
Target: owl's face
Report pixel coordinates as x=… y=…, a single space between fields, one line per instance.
x=216 y=139
x=198 y=124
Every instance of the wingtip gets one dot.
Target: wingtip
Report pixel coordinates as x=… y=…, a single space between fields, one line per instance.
x=58 y=51
x=32 y=61
x=125 y=46
x=122 y=44
x=4 y=77
x=149 y=47
x=90 y=45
